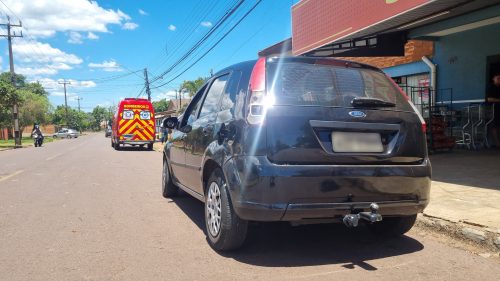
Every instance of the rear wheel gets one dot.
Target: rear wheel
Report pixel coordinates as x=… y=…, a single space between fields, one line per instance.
x=68 y=136
x=225 y=230
x=168 y=188
x=395 y=226
x=116 y=145
x=150 y=146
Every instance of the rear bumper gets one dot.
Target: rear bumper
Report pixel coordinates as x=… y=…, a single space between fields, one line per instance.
x=133 y=142
x=262 y=191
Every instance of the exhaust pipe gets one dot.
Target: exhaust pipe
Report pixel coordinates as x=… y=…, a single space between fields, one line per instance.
x=352 y=220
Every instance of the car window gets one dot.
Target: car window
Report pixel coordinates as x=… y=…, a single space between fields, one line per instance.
x=145 y=115
x=211 y=103
x=190 y=115
x=229 y=98
x=315 y=84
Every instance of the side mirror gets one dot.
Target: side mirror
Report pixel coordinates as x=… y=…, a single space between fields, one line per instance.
x=171 y=122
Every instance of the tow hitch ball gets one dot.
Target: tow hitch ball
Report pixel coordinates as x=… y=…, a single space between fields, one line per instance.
x=351 y=220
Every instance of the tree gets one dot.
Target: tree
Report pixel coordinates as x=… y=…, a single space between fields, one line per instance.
x=8 y=97
x=36 y=88
x=99 y=114
x=78 y=120
x=34 y=108
x=192 y=86
x=161 y=105
x=20 y=79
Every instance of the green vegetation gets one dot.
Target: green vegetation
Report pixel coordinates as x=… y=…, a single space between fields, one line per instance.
x=192 y=86
x=26 y=141
x=31 y=98
x=161 y=105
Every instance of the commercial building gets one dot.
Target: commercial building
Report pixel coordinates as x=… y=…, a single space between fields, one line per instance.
x=443 y=53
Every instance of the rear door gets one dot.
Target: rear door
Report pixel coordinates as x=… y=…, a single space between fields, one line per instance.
x=203 y=131
x=315 y=121
x=145 y=127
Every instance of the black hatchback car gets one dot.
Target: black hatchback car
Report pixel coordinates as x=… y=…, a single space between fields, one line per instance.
x=303 y=140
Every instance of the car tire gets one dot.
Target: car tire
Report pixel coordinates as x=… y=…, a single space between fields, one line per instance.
x=150 y=146
x=394 y=226
x=54 y=137
x=169 y=189
x=68 y=136
x=225 y=230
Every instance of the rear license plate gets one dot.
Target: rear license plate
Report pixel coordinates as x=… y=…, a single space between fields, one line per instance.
x=356 y=142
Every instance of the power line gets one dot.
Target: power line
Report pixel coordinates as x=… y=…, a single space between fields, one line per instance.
x=190 y=31
x=213 y=46
x=201 y=41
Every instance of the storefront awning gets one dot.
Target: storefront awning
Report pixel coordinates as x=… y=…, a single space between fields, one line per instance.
x=331 y=28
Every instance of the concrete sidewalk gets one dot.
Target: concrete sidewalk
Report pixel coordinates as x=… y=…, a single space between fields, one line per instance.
x=465 y=194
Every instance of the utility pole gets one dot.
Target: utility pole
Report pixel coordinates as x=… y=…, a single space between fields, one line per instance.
x=17 y=133
x=146 y=82
x=64 y=82
x=79 y=99
x=180 y=99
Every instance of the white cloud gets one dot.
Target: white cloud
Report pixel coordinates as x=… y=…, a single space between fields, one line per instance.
x=92 y=36
x=37 y=52
x=35 y=59
x=56 y=89
x=206 y=24
x=142 y=12
x=75 y=38
x=45 y=18
x=35 y=71
x=172 y=27
x=107 y=65
x=165 y=95
x=105 y=104
x=130 y=26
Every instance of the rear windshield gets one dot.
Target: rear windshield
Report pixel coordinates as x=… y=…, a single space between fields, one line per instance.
x=295 y=83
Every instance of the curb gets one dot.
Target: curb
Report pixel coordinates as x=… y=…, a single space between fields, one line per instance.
x=474 y=234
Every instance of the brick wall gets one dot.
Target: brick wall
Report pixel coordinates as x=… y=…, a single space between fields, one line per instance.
x=414 y=51
x=46 y=130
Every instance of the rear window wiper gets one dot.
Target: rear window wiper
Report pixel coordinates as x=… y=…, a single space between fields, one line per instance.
x=371 y=102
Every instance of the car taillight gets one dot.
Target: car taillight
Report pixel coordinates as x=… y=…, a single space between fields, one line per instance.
x=257 y=91
x=422 y=121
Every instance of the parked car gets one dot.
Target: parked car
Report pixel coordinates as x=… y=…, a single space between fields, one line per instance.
x=66 y=133
x=303 y=140
x=107 y=132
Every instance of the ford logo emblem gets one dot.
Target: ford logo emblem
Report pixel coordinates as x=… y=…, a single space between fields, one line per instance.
x=357 y=114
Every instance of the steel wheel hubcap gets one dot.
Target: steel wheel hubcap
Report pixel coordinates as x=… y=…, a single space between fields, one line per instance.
x=213 y=209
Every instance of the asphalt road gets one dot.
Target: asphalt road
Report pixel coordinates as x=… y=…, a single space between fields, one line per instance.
x=79 y=210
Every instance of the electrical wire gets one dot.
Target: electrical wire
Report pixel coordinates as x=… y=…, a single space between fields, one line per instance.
x=219 y=23
x=213 y=46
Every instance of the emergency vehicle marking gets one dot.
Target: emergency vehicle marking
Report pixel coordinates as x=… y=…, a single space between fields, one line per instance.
x=141 y=129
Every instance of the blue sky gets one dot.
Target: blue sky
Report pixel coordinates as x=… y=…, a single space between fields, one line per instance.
x=91 y=43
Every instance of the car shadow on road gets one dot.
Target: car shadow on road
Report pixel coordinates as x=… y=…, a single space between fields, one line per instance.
x=281 y=245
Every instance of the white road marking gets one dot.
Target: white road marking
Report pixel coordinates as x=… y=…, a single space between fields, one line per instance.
x=3 y=178
x=55 y=156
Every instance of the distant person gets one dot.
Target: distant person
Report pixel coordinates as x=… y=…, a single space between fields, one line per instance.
x=494 y=96
x=36 y=130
